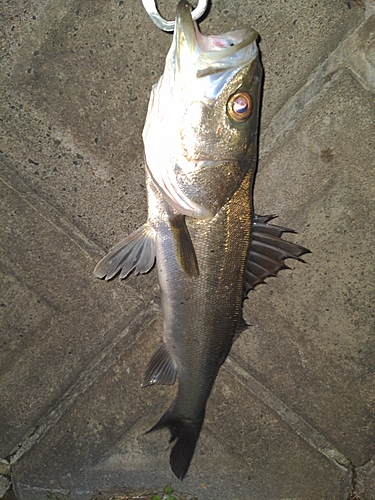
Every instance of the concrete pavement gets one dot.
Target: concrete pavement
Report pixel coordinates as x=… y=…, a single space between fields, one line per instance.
x=292 y=411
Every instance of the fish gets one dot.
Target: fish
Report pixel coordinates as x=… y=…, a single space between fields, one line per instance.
x=201 y=146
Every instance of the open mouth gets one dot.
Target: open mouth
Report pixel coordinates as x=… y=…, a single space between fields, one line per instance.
x=215 y=53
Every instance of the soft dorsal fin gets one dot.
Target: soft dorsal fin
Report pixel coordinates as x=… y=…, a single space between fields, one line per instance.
x=136 y=251
x=183 y=245
x=160 y=369
x=268 y=251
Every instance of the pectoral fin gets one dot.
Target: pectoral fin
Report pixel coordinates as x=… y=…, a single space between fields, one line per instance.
x=136 y=251
x=160 y=369
x=184 y=246
x=268 y=252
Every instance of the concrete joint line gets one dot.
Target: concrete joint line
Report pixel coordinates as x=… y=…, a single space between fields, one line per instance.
x=369 y=8
x=101 y=364
x=297 y=423
x=356 y=53
x=7 y=267
x=42 y=208
x=58 y=221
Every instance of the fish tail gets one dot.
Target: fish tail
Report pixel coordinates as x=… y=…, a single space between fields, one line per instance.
x=185 y=432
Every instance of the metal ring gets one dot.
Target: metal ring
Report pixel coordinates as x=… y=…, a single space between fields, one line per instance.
x=163 y=24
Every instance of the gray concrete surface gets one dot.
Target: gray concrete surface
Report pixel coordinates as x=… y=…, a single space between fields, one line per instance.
x=292 y=412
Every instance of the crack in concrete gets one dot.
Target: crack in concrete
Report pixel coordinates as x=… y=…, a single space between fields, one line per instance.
x=352 y=483
x=357 y=488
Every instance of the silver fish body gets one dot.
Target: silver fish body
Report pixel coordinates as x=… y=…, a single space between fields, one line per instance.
x=200 y=140
x=201 y=315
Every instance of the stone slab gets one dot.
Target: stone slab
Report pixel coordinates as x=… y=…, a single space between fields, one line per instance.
x=61 y=328
x=108 y=41
x=295 y=37
x=312 y=335
x=245 y=450
x=84 y=74
x=365 y=481
x=75 y=83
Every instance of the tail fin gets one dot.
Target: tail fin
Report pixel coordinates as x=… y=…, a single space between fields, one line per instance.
x=186 y=432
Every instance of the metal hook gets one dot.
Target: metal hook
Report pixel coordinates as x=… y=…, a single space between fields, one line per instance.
x=163 y=24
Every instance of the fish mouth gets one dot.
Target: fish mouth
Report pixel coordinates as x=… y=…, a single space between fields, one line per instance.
x=210 y=54
x=197 y=69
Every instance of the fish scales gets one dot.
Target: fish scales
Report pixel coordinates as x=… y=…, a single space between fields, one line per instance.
x=200 y=137
x=201 y=315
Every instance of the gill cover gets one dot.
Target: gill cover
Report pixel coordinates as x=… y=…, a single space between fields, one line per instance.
x=201 y=127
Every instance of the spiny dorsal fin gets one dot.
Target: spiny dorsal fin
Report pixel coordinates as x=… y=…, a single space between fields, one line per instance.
x=136 y=251
x=183 y=246
x=268 y=251
x=160 y=369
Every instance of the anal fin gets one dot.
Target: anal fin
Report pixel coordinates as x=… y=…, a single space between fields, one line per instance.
x=160 y=369
x=136 y=251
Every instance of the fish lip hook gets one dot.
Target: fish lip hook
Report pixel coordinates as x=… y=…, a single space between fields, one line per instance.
x=163 y=24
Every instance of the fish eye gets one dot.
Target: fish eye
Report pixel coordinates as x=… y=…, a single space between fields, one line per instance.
x=240 y=106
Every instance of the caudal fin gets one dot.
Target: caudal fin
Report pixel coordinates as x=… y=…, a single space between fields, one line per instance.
x=185 y=432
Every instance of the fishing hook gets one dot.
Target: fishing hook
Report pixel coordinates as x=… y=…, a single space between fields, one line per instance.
x=163 y=24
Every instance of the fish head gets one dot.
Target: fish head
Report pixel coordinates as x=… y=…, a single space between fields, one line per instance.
x=201 y=129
